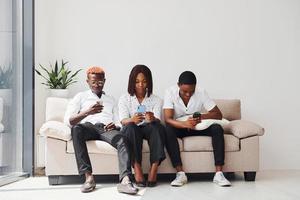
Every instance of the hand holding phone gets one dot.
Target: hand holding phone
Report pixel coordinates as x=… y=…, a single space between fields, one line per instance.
x=197 y=117
x=141 y=109
x=196 y=114
x=96 y=108
x=149 y=117
x=139 y=116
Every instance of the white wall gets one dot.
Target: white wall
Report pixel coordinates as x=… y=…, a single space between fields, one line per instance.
x=238 y=48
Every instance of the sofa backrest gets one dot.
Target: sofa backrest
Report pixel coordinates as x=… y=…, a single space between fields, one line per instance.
x=56 y=108
x=230 y=108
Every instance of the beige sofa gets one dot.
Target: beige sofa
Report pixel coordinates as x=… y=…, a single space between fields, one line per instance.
x=241 y=146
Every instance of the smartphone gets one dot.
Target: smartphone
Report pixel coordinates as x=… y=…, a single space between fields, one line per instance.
x=141 y=109
x=196 y=114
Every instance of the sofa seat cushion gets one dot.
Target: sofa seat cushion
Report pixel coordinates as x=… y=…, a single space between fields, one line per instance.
x=204 y=143
x=98 y=146
x=146 y=146
x=94 y=146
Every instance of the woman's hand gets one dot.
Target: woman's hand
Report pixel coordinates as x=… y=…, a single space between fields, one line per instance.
x=149 y=117
x=137 y=118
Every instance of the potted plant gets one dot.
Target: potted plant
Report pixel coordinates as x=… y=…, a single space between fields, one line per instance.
x=6 y=74
x=58 y=78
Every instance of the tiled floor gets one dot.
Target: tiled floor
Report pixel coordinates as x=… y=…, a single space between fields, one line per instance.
x=273 y=185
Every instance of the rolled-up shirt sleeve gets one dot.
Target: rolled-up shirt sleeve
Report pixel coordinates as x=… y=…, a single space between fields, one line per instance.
x=157 y=108
x=208 y=103
x=168 y=102
x=123 y=108
x=115 y=111
x=72 y=109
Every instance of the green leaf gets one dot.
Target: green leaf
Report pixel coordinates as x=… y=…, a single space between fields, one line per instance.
x=58 y=77
x=56 y=68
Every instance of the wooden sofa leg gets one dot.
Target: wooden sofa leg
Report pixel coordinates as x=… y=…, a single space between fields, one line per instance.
x=53 y=180
x=249 y=176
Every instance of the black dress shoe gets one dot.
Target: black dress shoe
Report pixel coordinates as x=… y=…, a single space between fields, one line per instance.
x=140 y=183
x=151 y=183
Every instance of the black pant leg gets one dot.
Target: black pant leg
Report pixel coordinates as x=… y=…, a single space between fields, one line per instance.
x=120 y=142
x=135 y=139
x=216 y=133
x=154 y=133
x=80 y=134
x=172 y=145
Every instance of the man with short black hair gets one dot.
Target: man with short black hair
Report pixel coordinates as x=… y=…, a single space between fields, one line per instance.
x=93 y=115
x=185 y=99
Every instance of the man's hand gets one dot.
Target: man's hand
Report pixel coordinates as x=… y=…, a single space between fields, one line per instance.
x=109 y=127
x=198 y=120
x=137 y=118
x=190 y=123
x=96 y=108
x=149 y=116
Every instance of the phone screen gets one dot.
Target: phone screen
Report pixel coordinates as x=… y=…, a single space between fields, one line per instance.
x=141 y=109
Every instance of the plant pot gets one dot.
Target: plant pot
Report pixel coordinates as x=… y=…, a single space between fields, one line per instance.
x=6 y=95
x=62 y=93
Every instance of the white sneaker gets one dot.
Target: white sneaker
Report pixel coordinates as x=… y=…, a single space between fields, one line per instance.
x=220 y=179
x=180 y=179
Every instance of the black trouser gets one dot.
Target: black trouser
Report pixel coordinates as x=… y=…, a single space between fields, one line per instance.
x=154 y=133
x=215 y=131
x=87 y=131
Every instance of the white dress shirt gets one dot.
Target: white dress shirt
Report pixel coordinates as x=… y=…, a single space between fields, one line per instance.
x=128 y=105
x=84 y=100
x=197 y=102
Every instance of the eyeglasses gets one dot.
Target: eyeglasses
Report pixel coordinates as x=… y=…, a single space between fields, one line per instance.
x=98 y=82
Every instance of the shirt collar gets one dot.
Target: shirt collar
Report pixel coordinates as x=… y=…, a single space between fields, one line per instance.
x=180 y=99
x=145 y=97
x=92 y=93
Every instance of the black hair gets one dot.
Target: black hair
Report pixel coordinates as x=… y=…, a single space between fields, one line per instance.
x=187 y=77
x=132 y=78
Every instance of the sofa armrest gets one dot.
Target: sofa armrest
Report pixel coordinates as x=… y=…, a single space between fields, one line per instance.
x=242 y=129
x=56 y=129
